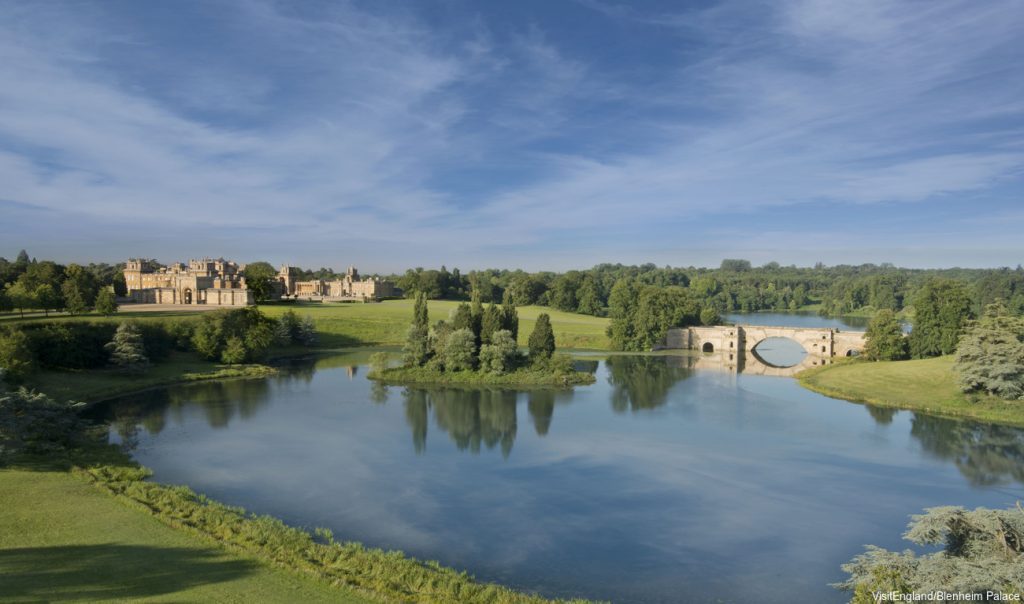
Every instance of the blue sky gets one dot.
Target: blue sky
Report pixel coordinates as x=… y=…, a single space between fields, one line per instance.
x=534 y=134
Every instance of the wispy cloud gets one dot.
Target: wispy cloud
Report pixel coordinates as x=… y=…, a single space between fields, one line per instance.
x=356 y=128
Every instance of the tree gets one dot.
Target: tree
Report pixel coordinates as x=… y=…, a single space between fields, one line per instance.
x=490 y=323
x=6 y=305
x=732 y=264
x=416 y=350
x=709 y=316
x=983 y=551
x=622 y=310
x=420 y=313
x=501 y=354
x=126 y=349
x=459 y=350
x=990 y=356
x=287 y=329
x=509 y=316
x=462 y=317
x=307 y=331
x=105 y=303
x=884 y=338
x=20 y=297
x=47 y=298
x=941 y=309
x=74 y=299
x=589 y=298
x=234 y=351
x=542 y=340
x=16 y=356
x=261 y=278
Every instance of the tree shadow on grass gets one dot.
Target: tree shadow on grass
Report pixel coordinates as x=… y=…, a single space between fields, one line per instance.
x=110 y=571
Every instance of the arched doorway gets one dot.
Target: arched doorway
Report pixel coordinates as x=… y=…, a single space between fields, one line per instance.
x=187 y=296
x=707 y=347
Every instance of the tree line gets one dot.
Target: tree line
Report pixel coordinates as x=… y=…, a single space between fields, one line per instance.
x=30 y=284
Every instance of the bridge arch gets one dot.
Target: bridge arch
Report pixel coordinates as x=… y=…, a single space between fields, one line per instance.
x=707 y=347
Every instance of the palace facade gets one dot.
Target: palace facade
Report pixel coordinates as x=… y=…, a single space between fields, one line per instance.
x=214 y=282
x=349 y=287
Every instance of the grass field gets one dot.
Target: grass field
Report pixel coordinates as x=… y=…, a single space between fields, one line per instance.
x=922 y=385
x=63 y=539
x=385 y=323
x=381 y=324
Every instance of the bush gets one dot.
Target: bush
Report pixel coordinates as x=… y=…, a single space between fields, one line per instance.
x=35 y=423
x=211 y=336
x=16 y=358
x=458 y=350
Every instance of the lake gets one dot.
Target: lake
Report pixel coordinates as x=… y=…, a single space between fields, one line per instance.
x=658 y=483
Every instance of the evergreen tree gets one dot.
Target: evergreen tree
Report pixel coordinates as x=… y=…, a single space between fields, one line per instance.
x=982 y=551
x=477 y=315
x=542 y=340
x=941 y=309
x=509 y=316
x=126 y=348
x=990 y=357
x=490 y=323
x=884 y=338
x=74 y=299
x=105 y=303
x=462 y=318
x=421 y=315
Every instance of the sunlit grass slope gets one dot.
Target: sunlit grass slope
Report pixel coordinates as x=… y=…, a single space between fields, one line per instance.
x=923 y=385
x=63 y=539
x=386 y=323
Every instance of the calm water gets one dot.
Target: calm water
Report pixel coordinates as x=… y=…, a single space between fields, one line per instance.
x=659 y=483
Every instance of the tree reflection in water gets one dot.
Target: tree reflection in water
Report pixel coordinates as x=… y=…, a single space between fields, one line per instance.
x=985 y=454
x=643 y=382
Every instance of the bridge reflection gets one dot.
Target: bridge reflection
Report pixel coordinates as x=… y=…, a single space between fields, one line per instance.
x=746 y=362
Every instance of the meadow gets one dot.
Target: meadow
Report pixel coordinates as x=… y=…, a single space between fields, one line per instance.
x=921 y=385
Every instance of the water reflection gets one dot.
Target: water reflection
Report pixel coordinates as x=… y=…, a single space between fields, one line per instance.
x=985 y=454
x=669 y=473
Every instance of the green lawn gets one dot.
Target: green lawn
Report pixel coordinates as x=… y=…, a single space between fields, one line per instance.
x=923 y=385
x=385 y=323
x=63 y=539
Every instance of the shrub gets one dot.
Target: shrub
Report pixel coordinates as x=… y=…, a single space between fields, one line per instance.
x=35 y=423
x=459 y=349
x=16 y=358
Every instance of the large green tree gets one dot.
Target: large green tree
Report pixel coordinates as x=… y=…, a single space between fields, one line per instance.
x=982 y=551
x=127 y=349
x=884 y=338
x=260 y=277
x=542 y=340
x=941 y=309
x=105 y=303
x=990 y=356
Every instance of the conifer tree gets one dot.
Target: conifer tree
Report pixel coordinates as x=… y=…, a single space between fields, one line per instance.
x=990 y=357
x=126 y=348
x=542 y=340
x=490 y=323
x=509 y=316
x=421 y=316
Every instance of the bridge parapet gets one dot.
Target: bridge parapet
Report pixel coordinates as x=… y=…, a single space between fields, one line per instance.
x=732 y=339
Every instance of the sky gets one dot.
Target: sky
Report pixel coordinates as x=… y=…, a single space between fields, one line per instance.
x=542 y=135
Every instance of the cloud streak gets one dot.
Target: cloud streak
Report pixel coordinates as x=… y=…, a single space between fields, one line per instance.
x=350 y=128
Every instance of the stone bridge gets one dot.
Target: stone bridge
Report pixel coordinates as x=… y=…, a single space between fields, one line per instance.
x=734 y=345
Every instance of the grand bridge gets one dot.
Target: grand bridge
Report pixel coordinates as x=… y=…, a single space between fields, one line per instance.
x=734 y=345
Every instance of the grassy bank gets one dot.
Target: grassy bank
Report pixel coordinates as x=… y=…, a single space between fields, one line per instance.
x=522 y=378
x=386 y=323
x=61 y=538
x=97 y=384
x=921 y=385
